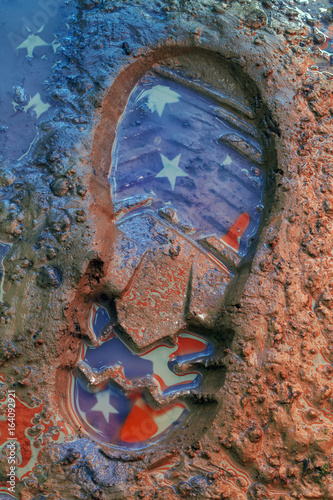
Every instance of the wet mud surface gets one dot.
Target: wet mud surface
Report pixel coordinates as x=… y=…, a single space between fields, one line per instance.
x=178 y=152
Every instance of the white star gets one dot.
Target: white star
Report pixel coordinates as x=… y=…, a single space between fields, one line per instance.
x=37 y=105
x=103 y=405
x=171 y=170
x=227 y=161
x=158 y=97
x=31 y=42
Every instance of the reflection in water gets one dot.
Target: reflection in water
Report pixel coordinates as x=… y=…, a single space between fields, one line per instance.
x=36 y=425
x=129 y=419
x=181 y=160
x=174 y=148
x=30 y=50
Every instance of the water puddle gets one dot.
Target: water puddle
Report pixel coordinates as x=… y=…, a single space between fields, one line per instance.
x=30 y=48
x=36 y=426
x=191 y=161
x=118 y=413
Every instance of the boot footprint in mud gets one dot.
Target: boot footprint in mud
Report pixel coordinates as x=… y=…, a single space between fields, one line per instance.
x=189 y=182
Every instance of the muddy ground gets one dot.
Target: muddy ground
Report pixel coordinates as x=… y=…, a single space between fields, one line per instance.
x=272 y=435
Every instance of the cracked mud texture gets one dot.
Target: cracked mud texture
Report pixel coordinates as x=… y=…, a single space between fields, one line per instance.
x=272 y=434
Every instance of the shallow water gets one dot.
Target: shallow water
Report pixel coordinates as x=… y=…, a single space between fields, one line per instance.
x=169 y=148
x=129 y=420
x=29 y=51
